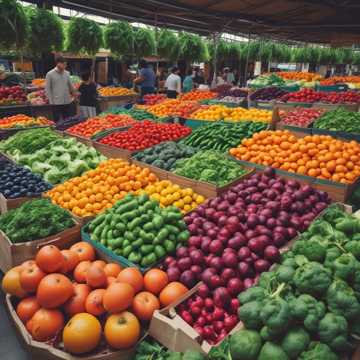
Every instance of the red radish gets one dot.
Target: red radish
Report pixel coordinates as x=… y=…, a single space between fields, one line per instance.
x=230 y=322
x=227 y=274
x=234 y=305
x=221 y=297
x=209 y=304
x=184 y=263
x=215 y=281
x=218 y=326
x=235 y=286
x=218 y=314
x=173 y=273
x=203 y=290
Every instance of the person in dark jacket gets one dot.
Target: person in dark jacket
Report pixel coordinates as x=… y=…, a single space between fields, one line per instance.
x=88 y=96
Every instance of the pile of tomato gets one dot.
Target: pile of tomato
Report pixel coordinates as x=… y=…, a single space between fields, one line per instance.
x=94 y=125
x=69 y=295
x=332 y=97
x=301 y=117
x=145 y=134
x=152 y=99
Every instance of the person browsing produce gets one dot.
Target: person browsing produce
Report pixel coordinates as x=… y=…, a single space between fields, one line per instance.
x=146 y=79
x=59 y=89
x=188 y=82
x=88 y=95
x=173 y=83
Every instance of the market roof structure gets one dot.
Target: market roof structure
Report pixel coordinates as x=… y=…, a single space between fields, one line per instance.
x=323 y=21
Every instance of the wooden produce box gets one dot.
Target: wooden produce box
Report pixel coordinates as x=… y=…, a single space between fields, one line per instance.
x=337 y=191
x=45 y=351
x=12 y=254
x=8 y=204
x=110 y=101
x=172 y=331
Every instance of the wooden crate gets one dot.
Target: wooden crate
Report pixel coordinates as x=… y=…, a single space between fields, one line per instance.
x=14 y=254
x=172 y=331
x=45 y=351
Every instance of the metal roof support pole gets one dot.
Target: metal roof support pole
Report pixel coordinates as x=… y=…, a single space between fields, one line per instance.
x=247 y=60
x=216 y=36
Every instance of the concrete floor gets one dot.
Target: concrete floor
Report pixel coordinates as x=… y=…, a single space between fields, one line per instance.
x=10 y=346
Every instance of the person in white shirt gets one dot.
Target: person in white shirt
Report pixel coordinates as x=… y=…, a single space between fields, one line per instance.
x=173 y=84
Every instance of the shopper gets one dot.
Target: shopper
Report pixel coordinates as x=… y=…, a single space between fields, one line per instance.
x=173 y=83
x=146 y=79
x=10 y=79
x=59 y=89
x=188 y=81
x=229 y=76
x=88 y=96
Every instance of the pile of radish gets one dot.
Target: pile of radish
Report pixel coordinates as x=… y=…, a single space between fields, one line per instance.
x=234 y=238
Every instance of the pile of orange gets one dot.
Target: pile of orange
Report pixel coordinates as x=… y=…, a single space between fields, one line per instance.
x=319 y=156
x=197 y=95
x=69 y=291
x=115 y=91
x=299 y=75
x=38 y=82
x=165 y=108
x=99 y=189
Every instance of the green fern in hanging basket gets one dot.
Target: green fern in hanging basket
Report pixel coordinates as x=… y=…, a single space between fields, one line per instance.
x=84 y=36
x=346 y=56
x=356 y=58
x=119 y=38
x=314 y=55
x=265 y=51
x=13 y=25
x=222 y=50
x=46 y=32
x=144 y=42
x=168 y=45
x=253 y=50
x=234 y=52
x=192 y=48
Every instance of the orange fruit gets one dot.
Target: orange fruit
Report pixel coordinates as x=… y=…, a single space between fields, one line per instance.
x=82 y=333
x=155 y=280
x=49 y=259
x=46 y=324
x=118 y=297
x=94 y=302
x=112 y=269
x=26 y=308
x=11 y=282
x=144 y=305
x=96 y=277
x=133 y=277
x=172 y=292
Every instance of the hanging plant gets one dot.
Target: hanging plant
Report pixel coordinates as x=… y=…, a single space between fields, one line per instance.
x=119 y=38
x=314 y=55
x=84 y=36
x=46 y=32
x=234 y=52
x=356 y=58
x=144 y=43
x=346 y=56
x=13 y=24
x=253 y=50
x=265 y=51
x=192 y=48
x=222 y=51
x=168 y=45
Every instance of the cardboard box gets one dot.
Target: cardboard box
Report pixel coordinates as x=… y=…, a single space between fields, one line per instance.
x=12 y=254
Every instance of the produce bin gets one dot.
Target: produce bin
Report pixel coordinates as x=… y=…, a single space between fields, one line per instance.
x=336 y=88
x=194 y=124
x=337 y=191
x=172 y=331
x=46 y=350
x=8 y=204
x=206 y=189
x=110 y=256
x=107 y=102
x=14 y=254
